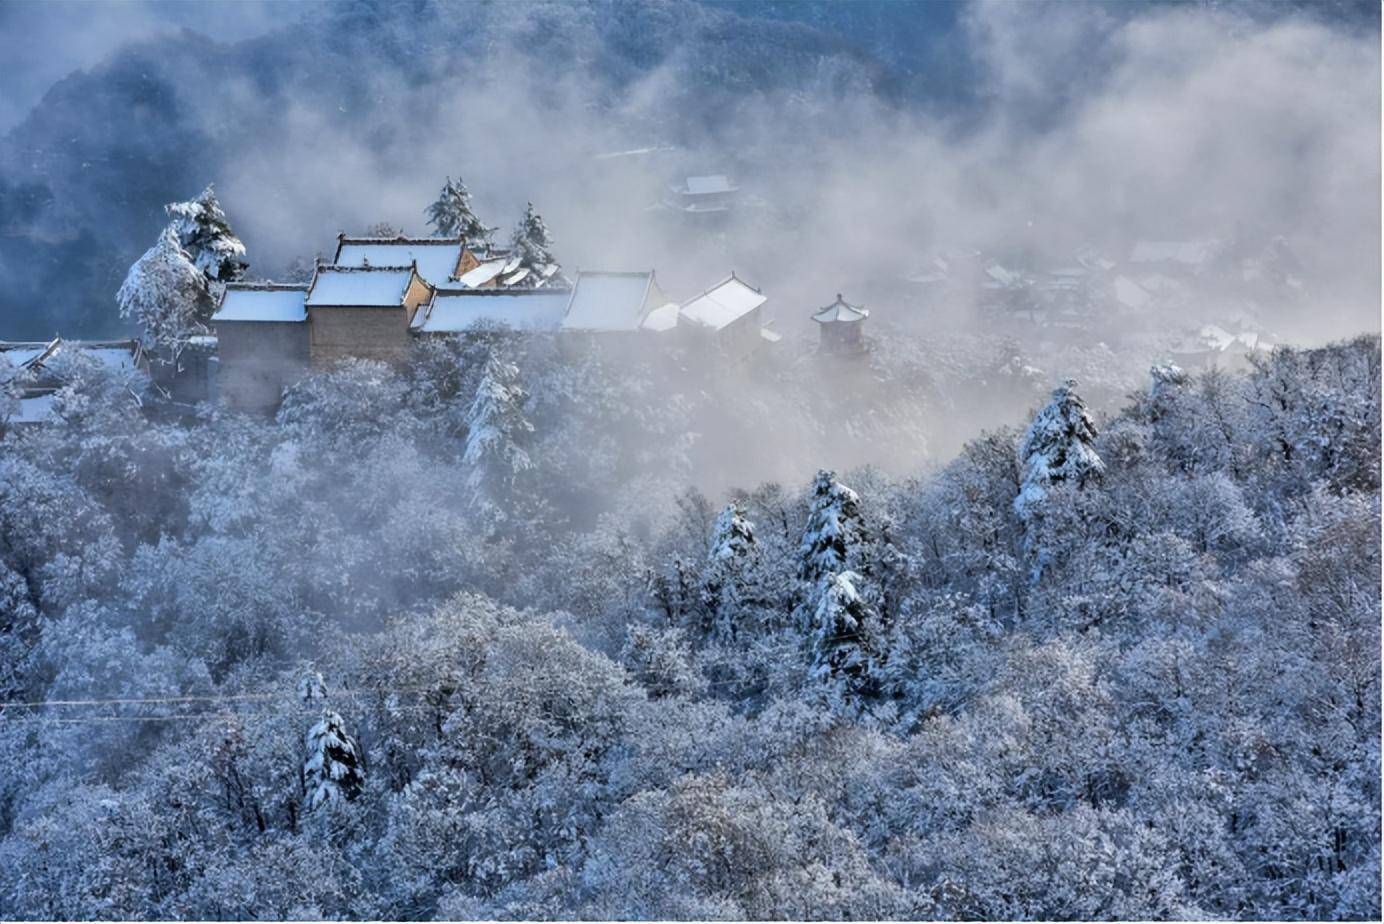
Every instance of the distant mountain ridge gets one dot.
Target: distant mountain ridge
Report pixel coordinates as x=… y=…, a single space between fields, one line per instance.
x=83 y=179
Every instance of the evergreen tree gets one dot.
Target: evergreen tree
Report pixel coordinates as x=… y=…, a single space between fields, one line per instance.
x=166 y=292
x=842 y=645
x=1058 y=448
x=451 y=216
x=724 y=583
x=207 y=238
x=532 y=245
x=334 y=771
x=496 y=428
x=835 y=530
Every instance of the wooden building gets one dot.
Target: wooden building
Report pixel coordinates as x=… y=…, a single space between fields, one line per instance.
x=262 y=343
x=840 y=324
x=729 y=314
x=362 y=312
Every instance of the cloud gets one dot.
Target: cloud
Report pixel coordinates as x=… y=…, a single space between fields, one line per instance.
x=42 y=41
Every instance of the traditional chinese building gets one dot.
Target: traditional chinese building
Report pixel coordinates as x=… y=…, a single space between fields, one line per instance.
x=840 y=324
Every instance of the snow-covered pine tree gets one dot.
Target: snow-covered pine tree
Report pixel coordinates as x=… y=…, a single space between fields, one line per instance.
x=496 y=429
x=207 y=238
x=729 y=559
x=532 y=245
x=165 y=292
x=451 y=215
x=334 y=771
x=841 y=643
x=1058 y=448
x=1165 y=383
x=835 y=530
x=311 y=687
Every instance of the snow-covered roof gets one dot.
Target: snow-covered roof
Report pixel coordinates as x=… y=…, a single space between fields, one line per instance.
x=708 y=185
x=1001 y=275
x=21 y=355
x=1212 y=338
x=350 y=286
x=602 y=301
x=664 y=317
x=32 y=410
x=770 y=335
x=840 y=310
x=517 y=309
x=248 y=302
x=482 y=274
x=437 y=258
x=114 y=354
x=727 y=301
x=1191 y=253
x=1129 y=293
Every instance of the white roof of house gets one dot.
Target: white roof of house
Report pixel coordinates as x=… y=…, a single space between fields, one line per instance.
x=1191 y=253
x=727 y=301
x=114 y=354
x=263 y=303
x=32 y=410
x=455 y=311
x=482 y=274
x=21 y=354
x=344 y=286
x=611 y=301
x=664 y=317
x=1129 y=293
x=437 y=260
x=707 y=185
x=840 y=310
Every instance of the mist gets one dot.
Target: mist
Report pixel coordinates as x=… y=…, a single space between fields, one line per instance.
x=1066 y=128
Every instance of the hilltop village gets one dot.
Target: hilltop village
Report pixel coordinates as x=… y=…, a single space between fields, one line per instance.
x=210 y=334
x=379 y=295
x=213 y=334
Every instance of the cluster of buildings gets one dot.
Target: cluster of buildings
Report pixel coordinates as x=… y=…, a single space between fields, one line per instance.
x=1156 y=281
x=379 y=296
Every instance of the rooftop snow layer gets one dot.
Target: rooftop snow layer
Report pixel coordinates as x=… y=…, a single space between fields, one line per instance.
x=1129 y=293
x=664 y=317
x=840 y=310
x=437 y=260
x=708 y=185
x=340 y=286
x=480 y=275
x=277 y=303
x=610 y=301
x=1192 y=253
x=452 y=312
x=727 y=301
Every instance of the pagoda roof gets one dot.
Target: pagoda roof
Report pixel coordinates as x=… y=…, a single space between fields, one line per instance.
x=840 y=311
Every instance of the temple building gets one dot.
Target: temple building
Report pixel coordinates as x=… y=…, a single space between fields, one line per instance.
x=841 y=324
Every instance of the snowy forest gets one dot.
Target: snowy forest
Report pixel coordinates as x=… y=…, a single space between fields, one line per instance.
x=1005 y=615
x=450 y=642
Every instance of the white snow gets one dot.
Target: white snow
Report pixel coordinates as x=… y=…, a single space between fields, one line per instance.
x=727 y=301
x=1190 y=253
x=664 y=317
x=437 y=260
x=840 y=310
x=454 y=312
x=349 y=287
x=282 y=304
x=709 y=185
x=610 y=301
x=480 y=275
x=33 y=410
x=1129 y=293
